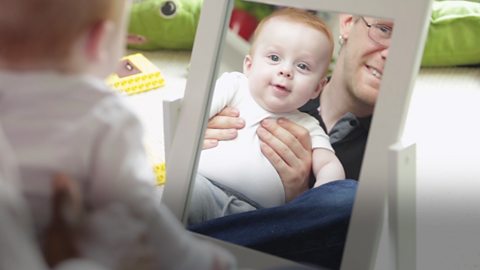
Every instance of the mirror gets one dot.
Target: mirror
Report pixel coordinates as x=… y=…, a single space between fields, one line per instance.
x=368 y=217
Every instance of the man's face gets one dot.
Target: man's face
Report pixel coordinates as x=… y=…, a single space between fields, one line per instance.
x=287 y=65
x=364 y=59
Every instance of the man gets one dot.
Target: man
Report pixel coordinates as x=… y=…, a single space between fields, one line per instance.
x=312 y=227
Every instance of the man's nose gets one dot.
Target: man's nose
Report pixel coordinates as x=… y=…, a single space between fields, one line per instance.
x=384 y=53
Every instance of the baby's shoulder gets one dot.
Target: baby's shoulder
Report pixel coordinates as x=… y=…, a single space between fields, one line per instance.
x=102 y=103
x=232 y=77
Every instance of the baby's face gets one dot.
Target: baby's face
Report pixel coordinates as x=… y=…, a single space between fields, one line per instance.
x=287 y=65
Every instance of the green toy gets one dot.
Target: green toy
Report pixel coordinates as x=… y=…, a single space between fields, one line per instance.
x=163 y=24
x=258 y=10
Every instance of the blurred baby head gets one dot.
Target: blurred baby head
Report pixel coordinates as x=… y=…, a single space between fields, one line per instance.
x=67 y=36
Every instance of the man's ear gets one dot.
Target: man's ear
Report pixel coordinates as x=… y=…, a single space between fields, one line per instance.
x=96 y=40
x=346 y=21
x=247 y=64
x=320 y=87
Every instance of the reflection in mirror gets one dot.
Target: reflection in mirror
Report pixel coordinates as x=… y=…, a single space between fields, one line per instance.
x=295 y=61
x=278 y=77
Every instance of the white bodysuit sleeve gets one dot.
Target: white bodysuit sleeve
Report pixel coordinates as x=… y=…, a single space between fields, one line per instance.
x=225 y=88
x=318 y=136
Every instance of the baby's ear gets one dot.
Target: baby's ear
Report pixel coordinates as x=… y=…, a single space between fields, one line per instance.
x=320 y=87
x=96 y=42
x=247 y=64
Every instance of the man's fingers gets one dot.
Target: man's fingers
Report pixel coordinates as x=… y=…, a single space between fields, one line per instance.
x=222 y=127
x=300 y=146
x=213 y=136
x=226 y=118
x=281 y=150
x=229 y=111
x=287 y=154
x=220 y=134
x=224 y=122
x=274 y=158
x=207 y=144
x=293 y=176
x=298 y=131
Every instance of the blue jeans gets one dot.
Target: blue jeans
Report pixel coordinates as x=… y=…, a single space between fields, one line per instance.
x=310 y=229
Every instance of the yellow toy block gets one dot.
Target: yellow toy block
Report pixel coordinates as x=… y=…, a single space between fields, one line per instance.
x=159 y=170
x=135 y=75
x=154 y=151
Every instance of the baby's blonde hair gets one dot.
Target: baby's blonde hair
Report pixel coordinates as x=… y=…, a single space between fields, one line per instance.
x=299 y=16
x=47 y=29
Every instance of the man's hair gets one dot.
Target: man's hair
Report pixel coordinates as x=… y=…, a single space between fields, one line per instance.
x=299 y=16
x=47 y=29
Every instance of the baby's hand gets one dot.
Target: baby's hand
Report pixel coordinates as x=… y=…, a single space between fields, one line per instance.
x=60 y=235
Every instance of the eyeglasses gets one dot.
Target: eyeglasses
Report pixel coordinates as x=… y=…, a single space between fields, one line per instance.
x=379 y=33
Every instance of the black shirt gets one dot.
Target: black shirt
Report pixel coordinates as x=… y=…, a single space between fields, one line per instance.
x=348 y=138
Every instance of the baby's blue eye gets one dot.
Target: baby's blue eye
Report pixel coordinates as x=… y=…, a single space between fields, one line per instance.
x=274 y=58
x=303 y=66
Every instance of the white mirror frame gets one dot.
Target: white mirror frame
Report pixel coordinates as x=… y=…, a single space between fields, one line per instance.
x=411 y=21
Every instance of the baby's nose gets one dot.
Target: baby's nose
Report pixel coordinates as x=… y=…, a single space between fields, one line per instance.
x=285 y=72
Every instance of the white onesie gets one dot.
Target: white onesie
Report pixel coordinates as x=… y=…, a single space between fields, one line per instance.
x=239 y=164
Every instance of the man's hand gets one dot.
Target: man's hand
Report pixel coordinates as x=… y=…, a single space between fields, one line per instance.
x=60 y=235
x=223 y=127
x=288 y=147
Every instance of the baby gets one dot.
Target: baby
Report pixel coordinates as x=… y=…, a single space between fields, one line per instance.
x=285 y=68
x=59 y=116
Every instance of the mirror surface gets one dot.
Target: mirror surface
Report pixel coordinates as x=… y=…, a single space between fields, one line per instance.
x=368 y=69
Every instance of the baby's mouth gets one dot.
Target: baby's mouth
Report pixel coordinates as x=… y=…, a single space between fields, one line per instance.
x=281 y=87
x=375 y=72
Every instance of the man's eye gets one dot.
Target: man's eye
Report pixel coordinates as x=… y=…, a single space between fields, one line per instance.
x=303 y=66
x=274 y=58
x=384 y=29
